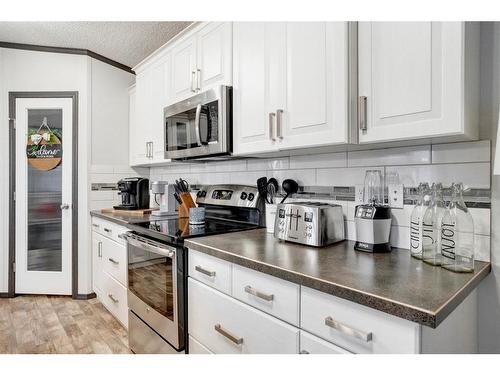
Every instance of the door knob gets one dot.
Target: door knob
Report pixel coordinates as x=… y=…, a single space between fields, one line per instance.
x=65 y=206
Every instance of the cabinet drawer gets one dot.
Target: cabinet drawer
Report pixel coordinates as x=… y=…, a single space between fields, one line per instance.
x=114 y=298
x=267 y=293
x=196 y=348
x=109 y=229
x=310 y=344
x=210 y=270
x=225 y=325
x=114 y=258
x=354 y=327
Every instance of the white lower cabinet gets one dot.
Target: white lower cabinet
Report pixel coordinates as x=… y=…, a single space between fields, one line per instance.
x=210 y=270
x=225 y=325
x=310 y=344
x=109 y=273
x=195 y=347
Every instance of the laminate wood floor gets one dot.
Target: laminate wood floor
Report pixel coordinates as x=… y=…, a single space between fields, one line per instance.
x=51 y=324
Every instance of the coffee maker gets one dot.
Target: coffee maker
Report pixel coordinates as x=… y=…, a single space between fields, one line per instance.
x=373 y=218
x=165 y=192
x=134 y=192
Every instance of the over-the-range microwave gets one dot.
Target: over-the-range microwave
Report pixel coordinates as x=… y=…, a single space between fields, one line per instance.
x=200 y=126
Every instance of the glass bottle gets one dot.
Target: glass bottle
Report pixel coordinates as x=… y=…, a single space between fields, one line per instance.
x=416 y=220
x=457 y=234
x=431 y=227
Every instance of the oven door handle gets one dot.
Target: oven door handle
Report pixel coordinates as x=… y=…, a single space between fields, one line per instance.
x=148 y=245
x=197 y=125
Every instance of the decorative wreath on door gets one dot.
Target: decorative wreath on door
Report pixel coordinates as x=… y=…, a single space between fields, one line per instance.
x=44 y=147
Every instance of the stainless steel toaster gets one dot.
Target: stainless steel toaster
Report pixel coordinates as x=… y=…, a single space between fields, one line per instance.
x=309 y=223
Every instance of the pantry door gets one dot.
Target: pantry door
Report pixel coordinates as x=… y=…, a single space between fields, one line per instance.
x=43 y=195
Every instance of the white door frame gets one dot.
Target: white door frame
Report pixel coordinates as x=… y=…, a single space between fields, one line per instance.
x=73 y=95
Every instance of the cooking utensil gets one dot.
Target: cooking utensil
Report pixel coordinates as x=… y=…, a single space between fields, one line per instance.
x=289 y=187
x=272 y=188
x=262 y=187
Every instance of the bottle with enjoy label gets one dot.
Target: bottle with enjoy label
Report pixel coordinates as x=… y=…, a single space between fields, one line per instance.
x=431 y=236
x=457 y=234
x=416 y=220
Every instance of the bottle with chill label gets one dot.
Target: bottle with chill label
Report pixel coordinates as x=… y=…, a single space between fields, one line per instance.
x=416 y=220
x=431 y=236
x=457 y=235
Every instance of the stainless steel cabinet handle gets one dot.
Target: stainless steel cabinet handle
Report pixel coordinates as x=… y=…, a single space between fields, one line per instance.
x=112 y=298
x=193 y=74
x=99 y=249
x=256 y=293
x=304 y=352
x=228 y=335
x=362 y=113
x=147 y=149
x=279 y=124
x=95 y=225
x=113 y=261
x=65 y=206
x=271 y=126
x=198 y=83
x=107 y=230
x=151 y=150
x=204 y=271
x=330 y=322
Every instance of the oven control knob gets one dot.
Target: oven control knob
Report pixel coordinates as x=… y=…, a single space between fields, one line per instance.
x=243 y=196
x=251 y=197
x=203 y=194
x=199 y=193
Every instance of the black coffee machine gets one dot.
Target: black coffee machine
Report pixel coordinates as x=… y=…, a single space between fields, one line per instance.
x=134 y=192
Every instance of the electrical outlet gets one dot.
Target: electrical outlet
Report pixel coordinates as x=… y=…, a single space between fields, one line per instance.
x=396 y=198
x=358 y=198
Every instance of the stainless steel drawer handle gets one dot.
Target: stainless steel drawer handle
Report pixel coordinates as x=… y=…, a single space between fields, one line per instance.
x=113 y=261
x=95 y=225
x=228 y=335
x=304 y=352
x=204 y=271
x=256 y=293
x=107 y=230
x=112 y=298
x=330 y=322
x=122 y=236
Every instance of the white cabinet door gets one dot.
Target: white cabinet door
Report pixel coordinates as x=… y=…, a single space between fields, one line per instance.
x=160 y=93
x=214 y=55
x=132 y=126
x=253 y=122
x=184 y=69
x=317 y=85
x=141 y=136
x=97 y=269
x=412 y=75
x=310 y=344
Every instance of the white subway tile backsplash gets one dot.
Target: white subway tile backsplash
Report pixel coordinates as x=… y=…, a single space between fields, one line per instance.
x=461 y=152
x=471 y=174
x=304 y=177
x=400 y=237
x=482 y=220
x=267 y=164
x=246 y=178
x=342 y=176
x=482 y=248
x=231 y=166
x=335 y=160
x=390 y=156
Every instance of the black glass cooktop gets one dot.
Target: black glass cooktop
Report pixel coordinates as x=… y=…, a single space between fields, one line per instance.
x=179 y=229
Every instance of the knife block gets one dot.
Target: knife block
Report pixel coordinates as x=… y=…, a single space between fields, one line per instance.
x=187 y=203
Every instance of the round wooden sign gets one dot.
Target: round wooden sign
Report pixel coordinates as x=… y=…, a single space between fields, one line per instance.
x=44 y=155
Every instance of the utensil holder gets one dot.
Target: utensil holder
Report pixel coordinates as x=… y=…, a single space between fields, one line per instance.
x=270 y=217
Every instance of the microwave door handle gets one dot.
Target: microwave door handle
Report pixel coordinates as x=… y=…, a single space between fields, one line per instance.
x=197 y=125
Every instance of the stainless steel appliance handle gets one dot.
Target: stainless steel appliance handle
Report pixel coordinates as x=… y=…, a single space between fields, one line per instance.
x=228 y=335
x=204 y=271
x=271 y=126
x=362 y=115
x=112 y=298
x=198 y=83
x=279 y=123
x=193 y=74
x=330 y=322
x=149 y=245
x=113 y=261
x=256 y=293
x=197 y=125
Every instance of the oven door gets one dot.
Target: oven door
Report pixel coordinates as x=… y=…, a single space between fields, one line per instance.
x=152 y=286
x=199 y=126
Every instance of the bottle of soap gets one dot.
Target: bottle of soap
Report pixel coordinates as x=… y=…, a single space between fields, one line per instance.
x=457 y=234
x=416 y=218
x=431 y=227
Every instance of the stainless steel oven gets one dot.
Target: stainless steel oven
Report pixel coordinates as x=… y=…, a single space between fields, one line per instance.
x=155 y=296
x=200 y=126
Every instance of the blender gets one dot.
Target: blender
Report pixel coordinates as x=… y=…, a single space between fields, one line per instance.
x=373 y=218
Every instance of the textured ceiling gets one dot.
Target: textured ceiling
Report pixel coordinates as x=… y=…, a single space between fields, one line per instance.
x=125 y=42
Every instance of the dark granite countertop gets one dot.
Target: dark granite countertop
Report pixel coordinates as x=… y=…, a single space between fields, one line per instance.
x=393 y=283
x=120 y=218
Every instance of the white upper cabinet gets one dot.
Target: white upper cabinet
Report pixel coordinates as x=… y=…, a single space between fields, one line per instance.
x=140 y=129
x=201 y=61
x=290 y=85
x=419 y=80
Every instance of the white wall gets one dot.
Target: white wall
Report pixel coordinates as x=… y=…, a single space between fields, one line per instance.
x=489 y=290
